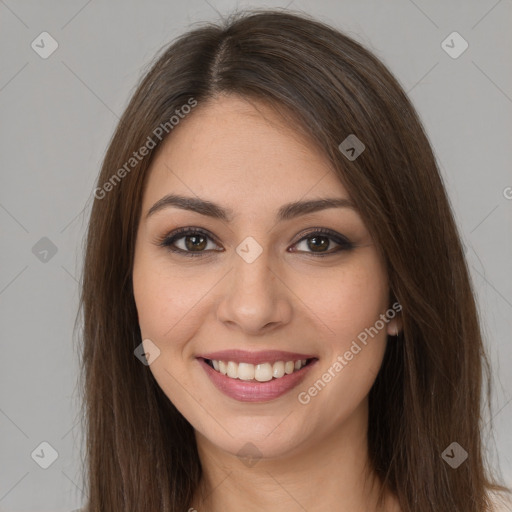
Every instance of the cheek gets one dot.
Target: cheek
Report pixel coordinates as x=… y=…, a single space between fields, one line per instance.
x=362 y=334
x=347 y=299
x=164 y=300
x=167 y=316
x=350 y=305
x=151 y=299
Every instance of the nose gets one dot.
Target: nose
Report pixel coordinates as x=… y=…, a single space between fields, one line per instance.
x=256 y=299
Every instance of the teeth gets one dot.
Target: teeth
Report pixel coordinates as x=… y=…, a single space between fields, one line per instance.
x=260 y=372
x=245 y=371
x=263 y=372
x=278 y=369
x=232 y=370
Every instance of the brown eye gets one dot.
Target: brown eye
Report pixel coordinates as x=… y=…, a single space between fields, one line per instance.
x=187 y=241
x=195 y=242
x=318 y=242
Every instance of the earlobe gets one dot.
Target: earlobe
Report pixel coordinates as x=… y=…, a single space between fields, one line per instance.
x=394 y=327
x=394 y=314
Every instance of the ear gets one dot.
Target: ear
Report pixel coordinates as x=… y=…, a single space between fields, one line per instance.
x=394 y=325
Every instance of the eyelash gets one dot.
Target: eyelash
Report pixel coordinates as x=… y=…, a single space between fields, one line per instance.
x=168 y=240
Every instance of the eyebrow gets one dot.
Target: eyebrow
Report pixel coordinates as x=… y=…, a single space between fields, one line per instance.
x=210 y=209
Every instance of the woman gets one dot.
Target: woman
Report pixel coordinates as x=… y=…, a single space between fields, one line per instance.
x=277 y=310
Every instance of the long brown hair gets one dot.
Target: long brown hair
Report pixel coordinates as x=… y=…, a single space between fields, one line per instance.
x=140 y=451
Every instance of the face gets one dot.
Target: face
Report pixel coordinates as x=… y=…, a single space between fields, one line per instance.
x=254 y=288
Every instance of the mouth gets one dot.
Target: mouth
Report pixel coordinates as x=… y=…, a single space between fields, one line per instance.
x=256 y=377
x=262 y=372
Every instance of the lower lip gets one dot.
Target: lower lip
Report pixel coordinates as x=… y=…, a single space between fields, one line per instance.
x=246 y=391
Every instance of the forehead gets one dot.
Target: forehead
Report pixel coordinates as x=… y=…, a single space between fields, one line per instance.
x=240 y=152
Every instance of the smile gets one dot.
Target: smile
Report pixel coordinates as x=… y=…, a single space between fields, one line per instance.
x=259 y=372
x=256 y=377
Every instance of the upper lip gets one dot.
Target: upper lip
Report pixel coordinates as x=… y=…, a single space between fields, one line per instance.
x=264 y=356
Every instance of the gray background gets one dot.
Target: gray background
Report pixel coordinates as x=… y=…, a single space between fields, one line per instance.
x=57 y=116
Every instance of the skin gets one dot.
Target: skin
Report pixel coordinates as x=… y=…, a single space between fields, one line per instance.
x=307 y=457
